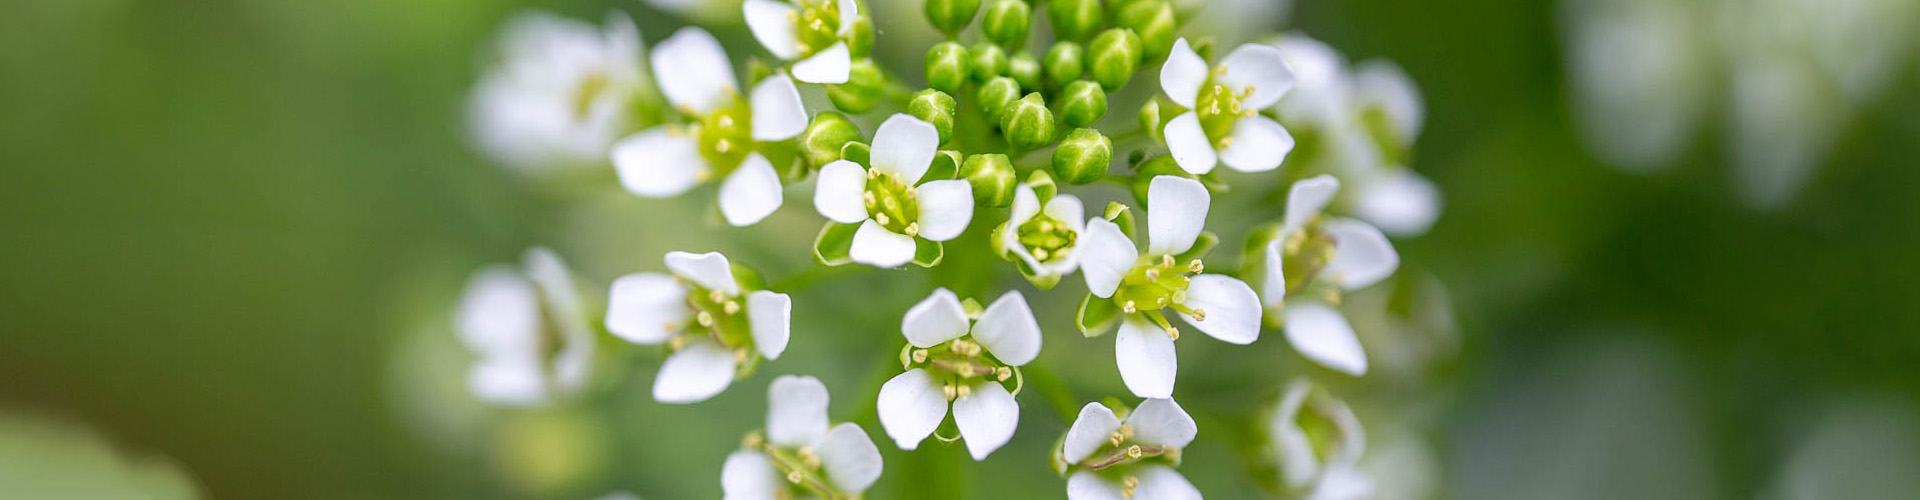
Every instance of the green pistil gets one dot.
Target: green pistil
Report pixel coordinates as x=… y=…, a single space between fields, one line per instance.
x=1307 y=252
x=799 y=468
x=726 y=136
x=1121 y=453
x=1048 y=239
x=893 y=204
x=1157 y=282
x=720 y=317
x=816 y=25
x=1219 y=107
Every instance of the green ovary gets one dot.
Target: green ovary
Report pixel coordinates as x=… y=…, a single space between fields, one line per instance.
x=726 y=136
x=1155 y=282
x=892 y=203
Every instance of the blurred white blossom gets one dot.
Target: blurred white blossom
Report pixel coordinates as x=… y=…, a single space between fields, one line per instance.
x=558 y=93
x=529 y=329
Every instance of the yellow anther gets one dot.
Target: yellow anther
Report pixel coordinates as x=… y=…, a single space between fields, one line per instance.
x=723 y=145
x=1180 y=296
x=1159 y=302
x=1166 y=260
x=675 y=343
x=911 y=192
x=950 y=392
x=1196 y=266
x=795 y=477
x=1061 y=253
x=1133 y=451
x=716 y=296
x=880 y=218
x=740 y=356
x=1153 y=274
x=919 y=355
x=1040 y=254
x=807 y=457
x=963 y=391
x=889 y=204
x=732 y=308
x=1131 y=482
x=1199 y=314
x=868 y=196
x=1003 y=373
x=705 y=318
x=1333 y=297
x=873 y=174
x=753 y=441
x=1226 y=142
x=913 y=229
x=1173 y=333
x=1046 y=226
x=1128 y=308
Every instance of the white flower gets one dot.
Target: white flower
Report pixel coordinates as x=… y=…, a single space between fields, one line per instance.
x=1224 y=124
x=560 y=92
x=1345 y=253
x=1143 y=283
x=951 y=361
x=819 y=460
x=890 y=198
x=509 y=317
x=1131 y=459
x=810 y=31
x=714 y=326
x=1043 y=236
x=697 y=78
x=1329 y=475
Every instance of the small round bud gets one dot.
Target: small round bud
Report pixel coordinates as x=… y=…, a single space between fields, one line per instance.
x=862 y=89
x=935 y=107
x=1144 y=172
x=947 y=67
x=861 y=41
x=1024 y=69
x=1083 y=156
x=1065 y=62
x=1083 y=103
x=992 y=177
x=1006 y=21
x=1150 y=119
x=825 y=136
x=1075 y=19
x=1154 y=21
x=951 y=15
x=996 y=95
x=1027 y=123
x=989 y=61
x=1113 y=56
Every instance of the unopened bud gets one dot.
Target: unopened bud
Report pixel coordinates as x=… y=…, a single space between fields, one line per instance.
x=1027 y=123
x=935 y=107
x=1024 y=69
x=997 y=95
x=1150 y=119
x=861 y=40
x=992 y=177
x=951 y=15
x=989 y=61
x=947 y=67
x=1082 y=157
x=1065 y=62
x=1154 y=21
x=1083 y=105
x=1075 y=19
x=826 y=136
x=1113 y=56
x=862 y=90
x=1005 y=22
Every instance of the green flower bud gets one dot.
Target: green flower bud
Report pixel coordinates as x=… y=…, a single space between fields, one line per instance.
x=989 y=61
x=947 y=67
x=1153 y=20
x=935 y=107
x=996 y=95
x=1144 y=173
x=1113 y=56
x=825 y=136
x=1150 y=119
x=1083 y=103
x=1024 y=69
x=1006 y=22
x=1027 y=123
x=862 y=90
x=951 y=15
x=992 y=177
x=1075 y=19
x=861 y=41
x=1065 y=62
x=1083 y=156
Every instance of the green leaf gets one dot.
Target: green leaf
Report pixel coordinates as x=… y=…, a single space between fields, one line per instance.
x=1097 y=316
x=946 y=165
x=926 y=253
x=1201 y=247
x=835 y=241
x=1121 y=216
x=857 y=152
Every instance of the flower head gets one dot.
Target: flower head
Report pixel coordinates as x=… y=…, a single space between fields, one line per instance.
x=814 y=33
x=962 y=356
x=1112 y=459
x=1323 y=464
x=717 y=327
x=1342 y=254
x=802 y=455
x=891 y=198
x=560 y=92
x=510 y=317
x=1040 y=234
x=1223 y=123
x=724 y=138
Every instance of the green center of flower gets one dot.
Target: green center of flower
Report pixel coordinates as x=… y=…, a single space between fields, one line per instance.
x=589 y=91
x=1156 y=283
x=1219 y=107
x=726 y=136
x=892 y=203
x=1118 y=459
x=720 y=317
x=1047 y=238
x=959 y=364
x=805 y=477
x=1323 y=434
x=816 y=25
x=1307 y=251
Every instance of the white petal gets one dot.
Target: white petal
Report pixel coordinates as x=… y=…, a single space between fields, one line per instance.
x=1233 y=310
x=904 y=147
x=1106 y=255
x=1274 y=289
x=828 y=67
x=936 y=319
x=1343 y=482
x=770 y=315
x=659 y=162
x=778 y=113
x=699 y=371
x=1026 y=204
x=986 y=418
x=1158 y=482
x=911 y=406
x=1259 y=66
x=849 y=9
x=499 y=312
x=1259 y=144
x=1162 y=422
x=1361 y=255
x=1183 y=74
x=876 y=246
x=946 y=207
x=749 y=475
x=1306 y=199
x=693 y=70
x=1146 y=358
x=1382 y=83
x=751 y=192
x=645 y=308
x=1322 y=334
x=1085 y=485
x=1089 y=432
x=849 y=458
x=1176 y=212
x=1007 y=329
x=1402 y=203
x=1067 y=209
x=1188 y=144
x=709 y=270
x=796 y=411
x=837 y=194
x=772 y=23
x=514 y=381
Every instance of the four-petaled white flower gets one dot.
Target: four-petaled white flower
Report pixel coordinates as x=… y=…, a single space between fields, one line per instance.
x=1131 y=459
x=510 y=316
x=715 y=326
x=1332 y=475
x=560 y=93
x=811 y=32
x=1042 y=236
x=1224 y=122
x=1143 y=283
x=1345 y=253
x=950 y=361
x=697 y=78
x=889 y=199
x=802 y=455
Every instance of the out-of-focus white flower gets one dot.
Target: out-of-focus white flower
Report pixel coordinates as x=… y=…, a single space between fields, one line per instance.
x=1144 y=283
x=950 y=361
x=697 y=78
x=1131 y=459
x=512 y=318
x=1223 y=123
x=1299 y=430
x=1860 y=449
x=890 y=198
x=1641 y=73
x=1042 y=233
x=802 y=454
x=715 y=326
x=559 y=92
x=1345 y=253
x=811 y=32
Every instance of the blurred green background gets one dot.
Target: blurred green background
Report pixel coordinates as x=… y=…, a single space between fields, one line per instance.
x=233 y=231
